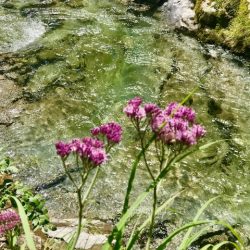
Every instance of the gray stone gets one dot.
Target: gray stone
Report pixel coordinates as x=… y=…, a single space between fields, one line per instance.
x=208 y=7
x=180 y=14
x=87 y=239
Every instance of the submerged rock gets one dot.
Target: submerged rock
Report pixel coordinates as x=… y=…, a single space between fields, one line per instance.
x=10 y=106
x=88 y=239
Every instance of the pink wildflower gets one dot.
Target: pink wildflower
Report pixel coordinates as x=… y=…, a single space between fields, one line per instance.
x=97 y=156
x=95 y=131
x=175 y=124
x=9 y=219
x=151 y=108
x=133 y=109
x=112 y=131
x=198 y=130
x=63 y=149
x=92 y=142
x=136 y=101
x=87 y=148
x=178 y=111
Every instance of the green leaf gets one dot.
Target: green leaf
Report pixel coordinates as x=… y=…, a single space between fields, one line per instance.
x=216 y=247
x=232 y=230
x=189 y=95
x=207 y=145
x=14 y=239
x=25 y=224
x=185 y=240
x=35 y=200
x=222 y=223
x=133 y=235
x=23 y=246
x=197 y=235
x=71 y=242
x=137 y=232
x=117 y=231
x=207 y=247
x=132 y=174
x=126 y=211
x=120 y=225
x=179 y=230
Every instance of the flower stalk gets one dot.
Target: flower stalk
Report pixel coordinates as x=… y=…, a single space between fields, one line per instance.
x=92 y=152
x=173 y=130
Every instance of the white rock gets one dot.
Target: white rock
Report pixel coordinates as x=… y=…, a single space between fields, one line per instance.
x=208 y=6
x=180 y=14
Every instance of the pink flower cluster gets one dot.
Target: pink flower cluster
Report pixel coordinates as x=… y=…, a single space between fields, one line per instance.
x=87 y=148
x=9 y=219
x=175 y=123
x=112 y=131
x=91 y=149
x=134 y=110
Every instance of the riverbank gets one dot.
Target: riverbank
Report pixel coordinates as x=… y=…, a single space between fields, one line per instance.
x=225 y=23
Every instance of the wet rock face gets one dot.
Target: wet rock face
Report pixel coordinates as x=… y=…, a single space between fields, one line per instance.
x=180 y=14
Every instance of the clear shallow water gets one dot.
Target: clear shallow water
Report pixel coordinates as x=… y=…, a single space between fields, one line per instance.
x=80 y=71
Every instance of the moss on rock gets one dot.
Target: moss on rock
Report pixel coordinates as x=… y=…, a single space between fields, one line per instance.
x=238 y=34
x=225 y=22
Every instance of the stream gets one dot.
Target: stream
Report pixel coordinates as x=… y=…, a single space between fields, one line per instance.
x=78 y=62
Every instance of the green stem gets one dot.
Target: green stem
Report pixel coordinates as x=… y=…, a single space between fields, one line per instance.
x=10 y=238
x=189 y=95
x=132 y=174
x=79 y=226
x=150 y=234
x=162 y=157
x=118 y=234
x=68 y=174
x=157 y=151
x=144 y=151
x=84 y=177
x=82 y=201
x=90 y=186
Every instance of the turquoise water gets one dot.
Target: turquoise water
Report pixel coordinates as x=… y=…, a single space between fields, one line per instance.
x=78 y=67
